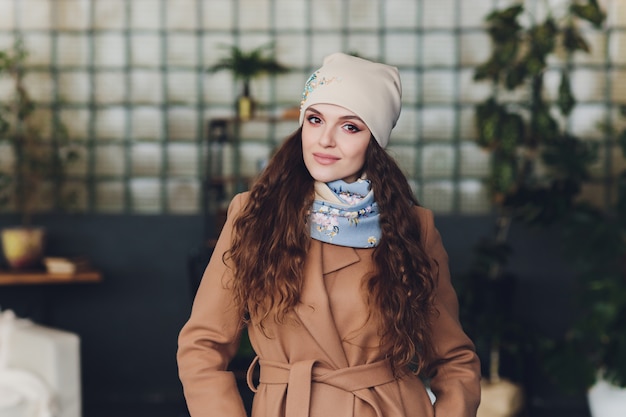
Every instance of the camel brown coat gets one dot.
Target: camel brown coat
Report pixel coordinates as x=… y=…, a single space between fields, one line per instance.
x=324 y=361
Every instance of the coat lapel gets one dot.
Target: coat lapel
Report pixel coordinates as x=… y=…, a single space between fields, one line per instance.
x=337 y=257
x=314 y=308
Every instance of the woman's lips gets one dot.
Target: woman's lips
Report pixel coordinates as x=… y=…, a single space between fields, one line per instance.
x=324 y=159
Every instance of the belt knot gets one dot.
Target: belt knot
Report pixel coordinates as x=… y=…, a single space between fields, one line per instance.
x=299 y=376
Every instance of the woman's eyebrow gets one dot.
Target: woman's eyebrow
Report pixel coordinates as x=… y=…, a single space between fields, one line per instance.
x=346 y=117
x=351 y=117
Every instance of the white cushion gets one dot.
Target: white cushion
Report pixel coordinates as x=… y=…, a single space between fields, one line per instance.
x=51 y=356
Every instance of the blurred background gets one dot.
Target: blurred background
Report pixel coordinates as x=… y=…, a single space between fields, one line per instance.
x=143 y=117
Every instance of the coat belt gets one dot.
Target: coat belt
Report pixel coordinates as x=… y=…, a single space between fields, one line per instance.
x=301 y=375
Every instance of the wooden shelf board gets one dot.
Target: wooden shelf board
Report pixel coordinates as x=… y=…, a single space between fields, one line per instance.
x=42 y=277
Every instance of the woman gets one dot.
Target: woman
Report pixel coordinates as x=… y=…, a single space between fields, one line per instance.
x=338 y=274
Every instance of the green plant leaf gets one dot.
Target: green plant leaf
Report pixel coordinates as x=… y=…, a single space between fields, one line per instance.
x=543 y=126
x=503 y=30
x=4 y=126
x=516 y=75
x=488 y=122
x=566 y=100
x=573 y=41
x=487 y=70
x=506 y=52
x=72 y=156
x=503 y=171
x=535 y=63
x=570 y=157
x=621 y=200
x=557 y=362
x=622 y=142
x=543 y=37
x=590 y=12
x=508 y=14
x=615 y=360
x=512 y=133
x=246 y=65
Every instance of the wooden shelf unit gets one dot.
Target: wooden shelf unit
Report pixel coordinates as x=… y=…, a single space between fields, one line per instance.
x=44 y=278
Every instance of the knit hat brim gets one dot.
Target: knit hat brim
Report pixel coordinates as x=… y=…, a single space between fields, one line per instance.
x=370 y=90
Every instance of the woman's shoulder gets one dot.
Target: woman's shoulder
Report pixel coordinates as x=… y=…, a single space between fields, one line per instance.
x=238 y=202
x=426 y=220
x=424 y=214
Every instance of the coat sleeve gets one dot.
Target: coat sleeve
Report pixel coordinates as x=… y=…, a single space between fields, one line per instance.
x=455 y=369
x=210 y=338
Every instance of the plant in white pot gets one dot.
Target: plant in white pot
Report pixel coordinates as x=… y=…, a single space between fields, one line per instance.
x=34 y=172
x=592 y=354
x=537 y=168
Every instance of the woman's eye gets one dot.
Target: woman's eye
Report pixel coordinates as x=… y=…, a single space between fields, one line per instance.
x=352 y=128
x=314 y=120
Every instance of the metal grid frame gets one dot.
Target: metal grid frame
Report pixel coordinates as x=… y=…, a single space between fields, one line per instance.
x=153 y=128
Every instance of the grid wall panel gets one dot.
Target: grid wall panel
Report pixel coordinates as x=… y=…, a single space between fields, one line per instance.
x=129 y=79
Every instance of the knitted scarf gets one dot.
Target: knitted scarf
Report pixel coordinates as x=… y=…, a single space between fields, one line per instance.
x=345 y=214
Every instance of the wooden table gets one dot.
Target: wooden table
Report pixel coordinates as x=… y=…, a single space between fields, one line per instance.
x=43 y=277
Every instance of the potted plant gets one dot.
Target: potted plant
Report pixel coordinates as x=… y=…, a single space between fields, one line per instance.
x=537 y=165
x=38 y=159
x=592 y=353
x=245 y=66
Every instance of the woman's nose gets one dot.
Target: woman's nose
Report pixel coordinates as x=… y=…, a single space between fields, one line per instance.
x=327 y=138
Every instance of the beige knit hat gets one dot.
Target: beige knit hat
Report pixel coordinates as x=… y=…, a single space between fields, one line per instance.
x=369 y=89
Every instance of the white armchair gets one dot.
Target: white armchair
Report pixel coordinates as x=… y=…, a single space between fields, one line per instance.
x=39 y=370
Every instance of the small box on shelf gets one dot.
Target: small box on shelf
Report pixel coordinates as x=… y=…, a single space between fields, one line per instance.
x=66 y=265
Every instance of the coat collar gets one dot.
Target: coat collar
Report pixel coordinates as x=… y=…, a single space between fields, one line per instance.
x=335 y=257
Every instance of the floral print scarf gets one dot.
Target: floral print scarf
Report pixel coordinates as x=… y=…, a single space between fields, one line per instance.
x=345 y=214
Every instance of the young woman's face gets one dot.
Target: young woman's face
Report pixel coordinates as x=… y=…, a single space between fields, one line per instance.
x=334 y=142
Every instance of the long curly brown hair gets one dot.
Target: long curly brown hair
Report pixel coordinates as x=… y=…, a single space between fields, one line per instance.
x=271 y=239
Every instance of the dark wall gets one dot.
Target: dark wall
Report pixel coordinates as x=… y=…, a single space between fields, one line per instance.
x=129 y=323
